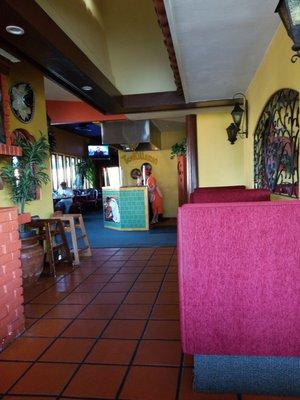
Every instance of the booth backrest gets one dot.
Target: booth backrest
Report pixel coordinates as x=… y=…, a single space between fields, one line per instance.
x=230 y=196
x=239 y=270
x=201 y=189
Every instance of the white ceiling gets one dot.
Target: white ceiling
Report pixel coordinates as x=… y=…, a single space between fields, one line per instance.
x=219 y=44
x=55 y=92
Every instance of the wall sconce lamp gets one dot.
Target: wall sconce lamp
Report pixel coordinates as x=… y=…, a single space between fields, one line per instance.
x=239 y=114
x=289 y=12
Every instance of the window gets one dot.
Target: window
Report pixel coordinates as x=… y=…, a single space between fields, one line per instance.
x=63 y=169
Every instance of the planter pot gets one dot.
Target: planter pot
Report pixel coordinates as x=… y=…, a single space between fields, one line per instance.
x=32 y=258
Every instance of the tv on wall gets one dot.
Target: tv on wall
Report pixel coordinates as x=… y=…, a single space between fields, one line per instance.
x=100 y=152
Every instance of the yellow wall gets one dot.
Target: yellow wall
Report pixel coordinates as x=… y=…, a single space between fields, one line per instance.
x=170 y=138
x=139 y=59
x=219 y=162
x=275 y=72
x=23 y=72
x=82 y=21
x=163 y=169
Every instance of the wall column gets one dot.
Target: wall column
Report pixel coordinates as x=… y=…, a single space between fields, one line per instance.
x=192 y=156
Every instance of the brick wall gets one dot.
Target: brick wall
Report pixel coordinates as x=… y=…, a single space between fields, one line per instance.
x=11 y=292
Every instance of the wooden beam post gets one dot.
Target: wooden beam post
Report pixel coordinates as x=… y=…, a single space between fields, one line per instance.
x=192 y=154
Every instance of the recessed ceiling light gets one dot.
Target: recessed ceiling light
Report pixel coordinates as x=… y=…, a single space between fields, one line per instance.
x=15 y=30
x=87 y=88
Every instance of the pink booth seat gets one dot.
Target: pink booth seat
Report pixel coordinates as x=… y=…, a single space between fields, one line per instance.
x=201 y=189
x=230 y=196
x=239 y=270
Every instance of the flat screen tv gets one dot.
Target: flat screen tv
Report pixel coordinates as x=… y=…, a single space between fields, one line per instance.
x=100 y=152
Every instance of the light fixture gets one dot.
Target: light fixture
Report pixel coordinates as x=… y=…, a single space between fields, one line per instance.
x=86 y=88
x=15 y=30
x=239 y=114
x=289 y=12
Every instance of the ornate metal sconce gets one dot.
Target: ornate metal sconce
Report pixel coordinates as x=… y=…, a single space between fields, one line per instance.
x=289 y=12
x=239 y=126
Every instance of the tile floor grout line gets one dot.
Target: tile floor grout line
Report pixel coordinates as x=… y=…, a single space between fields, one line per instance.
x=140 y=338
x=179 y=377
x=55 y=338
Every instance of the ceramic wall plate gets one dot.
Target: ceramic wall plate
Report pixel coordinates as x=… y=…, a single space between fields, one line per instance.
x=21 y=98
x=135 y=172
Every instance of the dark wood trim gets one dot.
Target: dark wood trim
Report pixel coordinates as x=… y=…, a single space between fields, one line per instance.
x=164 y=26
x=192 y=153
x=164 y=101
x=49 y=48
x=5 y=65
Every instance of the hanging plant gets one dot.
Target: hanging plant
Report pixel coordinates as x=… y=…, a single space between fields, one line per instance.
x=178 y=149
x=86 y=169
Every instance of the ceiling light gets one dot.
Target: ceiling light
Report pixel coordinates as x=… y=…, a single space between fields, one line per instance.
x=15 y=30
x=86 y=88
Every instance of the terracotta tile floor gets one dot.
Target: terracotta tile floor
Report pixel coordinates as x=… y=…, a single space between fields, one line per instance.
x=106 y=330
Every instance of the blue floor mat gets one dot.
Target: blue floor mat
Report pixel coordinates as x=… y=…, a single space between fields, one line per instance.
x=102 y=237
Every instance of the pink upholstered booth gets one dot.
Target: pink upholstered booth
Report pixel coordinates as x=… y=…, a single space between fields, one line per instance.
x=229 y=196
x=201 y=189
x=239 y=274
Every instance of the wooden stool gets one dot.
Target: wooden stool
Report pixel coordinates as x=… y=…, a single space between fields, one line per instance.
x=71 y=222
x=52 y=232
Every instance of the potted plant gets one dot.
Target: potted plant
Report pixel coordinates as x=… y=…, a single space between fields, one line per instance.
x=24 y=176
x=86 y=170
x=179 y=150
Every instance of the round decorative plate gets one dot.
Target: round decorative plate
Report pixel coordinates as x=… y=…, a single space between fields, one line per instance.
x=135 y=172
x=21 y=98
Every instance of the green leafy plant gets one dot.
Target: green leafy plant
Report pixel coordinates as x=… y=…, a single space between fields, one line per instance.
x=178 y=149
x=86 y=168
x=24 y=175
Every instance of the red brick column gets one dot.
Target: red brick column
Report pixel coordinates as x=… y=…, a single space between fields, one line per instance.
x=11 y=292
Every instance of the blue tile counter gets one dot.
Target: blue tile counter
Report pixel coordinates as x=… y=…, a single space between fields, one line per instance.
x=125 y=208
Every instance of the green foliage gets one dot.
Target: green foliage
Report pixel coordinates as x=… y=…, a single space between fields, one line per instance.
x=86 y=168
x=25 y=175
x=178 y=149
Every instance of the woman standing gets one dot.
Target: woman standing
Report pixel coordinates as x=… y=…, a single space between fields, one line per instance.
x=155 y=195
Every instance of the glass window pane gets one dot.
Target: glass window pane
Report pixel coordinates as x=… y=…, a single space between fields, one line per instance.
x=54 y=172
x=72 y=170
x=68 y=171
x=60 y=169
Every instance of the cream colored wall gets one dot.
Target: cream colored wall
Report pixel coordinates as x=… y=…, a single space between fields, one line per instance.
x=138 y=56
x=164 y=170
x=82 y=21
x=23 y=72
x=219 y=162
x=275 y=72
x=170 y=138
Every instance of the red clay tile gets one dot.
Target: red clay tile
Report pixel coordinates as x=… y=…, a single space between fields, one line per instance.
x=162 y=330
x=170 y=287
x=65 y=311
x=165 y=250
x=158 y=352
x=167 y=298
x=96 y=381
x=140 y=298
x=145 y=287
x=259 y=397
x=98 y=311
x=98 y=277
x=150 y=277
x=28 y=398
x=89 y=287
x=130 y=270
x=124 y=278
x=68 y=350
x=131 y=311
x=124 y=329
x=29 y=322
x=186 y=389
x=78 y=298
x=10 y=372
x=109 y=351
x=25 y=349
x=155 y=270
x=171 y=277
x=109 y=298
x=44 y=378
x=85 y=328
x=188 y=360
x=36 y=310
x=48 y=327
x=135 y=263
x=117 y=287
x=140 y=257
x=150 y=383
x=163 y=311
